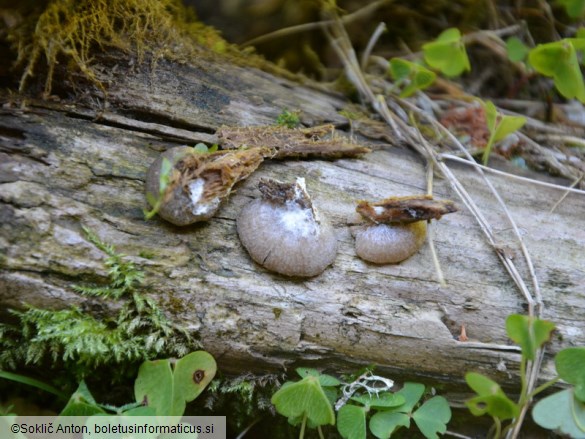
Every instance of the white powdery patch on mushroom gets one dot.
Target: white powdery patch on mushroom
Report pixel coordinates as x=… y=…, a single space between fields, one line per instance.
x=196 y=188
x=284 y=235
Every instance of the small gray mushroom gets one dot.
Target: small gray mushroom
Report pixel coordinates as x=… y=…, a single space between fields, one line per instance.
x=390 y=243
x=197 y=182
x=284 y=233
x=397 y=226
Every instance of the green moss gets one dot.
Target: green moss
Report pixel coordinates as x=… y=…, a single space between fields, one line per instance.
x=72 y=30
x=78 y=342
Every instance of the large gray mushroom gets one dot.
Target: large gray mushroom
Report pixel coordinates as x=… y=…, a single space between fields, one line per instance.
x=284 y=233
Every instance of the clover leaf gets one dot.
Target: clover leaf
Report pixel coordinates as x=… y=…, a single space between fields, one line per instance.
x=431 y=417
x=574 y=8
x=447 y=53
x=381 y=401
x=82 y=403
x=516 y=49
x=570 y=364
x=415 y=76
x=168 y=390
x=499 y=126
x=351 y=422
x=324 y=379
x=561 y=411
x=559 y=61
x=384 y=424
x=304 y=398
x=529 y=332
x=491 y=398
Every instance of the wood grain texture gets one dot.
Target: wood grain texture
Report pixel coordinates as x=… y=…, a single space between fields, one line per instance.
x=61 y=169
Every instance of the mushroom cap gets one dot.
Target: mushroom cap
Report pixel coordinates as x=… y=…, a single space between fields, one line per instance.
x=389 y=243
x=181 y=206
x=287 y=238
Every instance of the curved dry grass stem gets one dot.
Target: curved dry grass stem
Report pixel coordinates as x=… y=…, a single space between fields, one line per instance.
x=305 y=27
x=567 y=189
x=380 y=29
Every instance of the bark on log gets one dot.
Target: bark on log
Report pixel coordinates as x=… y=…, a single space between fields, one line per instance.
x=64 y=165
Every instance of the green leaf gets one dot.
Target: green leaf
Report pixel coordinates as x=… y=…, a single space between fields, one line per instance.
x=201 y=148
x=432 y=417
x=414 y=75
x=383 y=400
x=508 y=125
x=559 y=61
x=351 y=422
x=561 y=411
x=499 y=126
x=570 y=364
x=447 y=53
x=491 y=398
x=31 y=382
x=574 y=8
x=154 y=386
x=491 y=115
x=384 y=424
x=324 y=379
x=412 y=393
x=192 y=374
x=168 y=391
x=530 y=333
x=516 y=49
x=81 y=403
x=304 y=398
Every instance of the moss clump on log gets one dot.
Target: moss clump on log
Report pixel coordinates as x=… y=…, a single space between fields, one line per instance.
x=71 y=30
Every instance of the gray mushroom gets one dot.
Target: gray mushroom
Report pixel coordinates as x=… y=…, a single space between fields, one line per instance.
x=197 y=182
x=284 y=233
x=396 y=226
x=390 y=243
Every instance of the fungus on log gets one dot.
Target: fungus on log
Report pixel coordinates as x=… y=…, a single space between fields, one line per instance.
x=68 y=164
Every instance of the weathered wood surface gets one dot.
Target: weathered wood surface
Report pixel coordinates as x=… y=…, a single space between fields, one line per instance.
x=61 y=170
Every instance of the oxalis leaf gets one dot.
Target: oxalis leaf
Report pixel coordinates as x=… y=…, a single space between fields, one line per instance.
x=304 y=398
x=82 y=403
x=324 y=379
x=570 y=364
x=432 y=417
x=384 y=424
x=168 y=391
x=383 y=400
x=561 y=411
x=351 y=422
x=491 y=398
x=574 y=8
x=447 y=53
x=559 y=61
x=516 y=49
x=529 y=332
x=414 y=75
